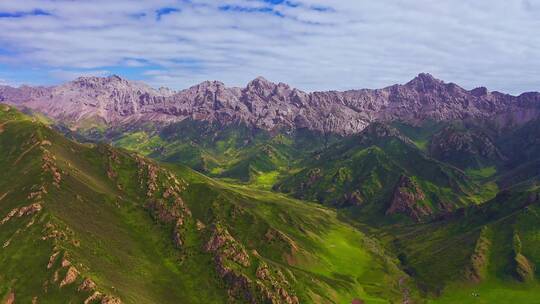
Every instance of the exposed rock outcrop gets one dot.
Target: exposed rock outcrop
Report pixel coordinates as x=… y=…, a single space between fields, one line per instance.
x=164 y=201
x=96 y=296
x=71 y=275
x=87 y=285
x=232 y=264
x=29 y=210
x=200 y=225
x=407 y=199
x=476 y=270
x=226 y=247
x=10 y=298
x=111 y=300
x=103 y=299
x=273 y=285
x=52 y=231
x=52 y=259
x=49 y=166
x=524 y=268
x=22 y=211
x=37 y=195
x=167 y=213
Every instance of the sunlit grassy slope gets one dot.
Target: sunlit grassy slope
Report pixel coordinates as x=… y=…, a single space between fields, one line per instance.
x=149 y=232
x=73 y=214
x=482 y=254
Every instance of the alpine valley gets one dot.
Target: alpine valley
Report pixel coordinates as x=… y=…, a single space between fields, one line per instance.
x=112 y=191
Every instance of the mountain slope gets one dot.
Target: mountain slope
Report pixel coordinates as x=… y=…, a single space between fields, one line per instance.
x=90 y=222
x=466 y=147
x=233 y=151
x=522 y=145
x=84 y=219
x=380 y=171
x=489 y=249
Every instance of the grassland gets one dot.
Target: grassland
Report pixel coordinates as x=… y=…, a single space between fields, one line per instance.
x=95 y=214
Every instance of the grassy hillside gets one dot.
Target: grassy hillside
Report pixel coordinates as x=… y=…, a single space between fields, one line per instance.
x=104 y=233
x=90 y=222
x=236 y=151
x=481 y=254
x=374 y=170
x=438 y=213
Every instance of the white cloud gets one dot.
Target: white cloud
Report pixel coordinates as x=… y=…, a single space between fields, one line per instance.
x=314 y=45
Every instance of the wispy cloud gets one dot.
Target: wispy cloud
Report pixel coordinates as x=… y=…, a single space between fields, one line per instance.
x=312 y=44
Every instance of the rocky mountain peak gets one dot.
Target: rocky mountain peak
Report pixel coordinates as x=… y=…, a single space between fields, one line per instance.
x=261 y=81
x=427 y=78
x=480 y=91
x=261 y=86
x=115 y=77
x=94 y=82
x=208 y=85
x=85 y=80
x=424 y=82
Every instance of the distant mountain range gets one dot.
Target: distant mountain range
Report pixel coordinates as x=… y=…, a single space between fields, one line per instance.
x=114 y=101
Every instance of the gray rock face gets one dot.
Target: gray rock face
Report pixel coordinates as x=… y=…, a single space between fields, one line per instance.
x=266 y=105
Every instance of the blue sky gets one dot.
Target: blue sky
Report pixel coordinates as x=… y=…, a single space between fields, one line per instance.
x=310 y=44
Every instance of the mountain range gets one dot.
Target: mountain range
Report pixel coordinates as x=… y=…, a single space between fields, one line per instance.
x=112 y=192
x=115 y=101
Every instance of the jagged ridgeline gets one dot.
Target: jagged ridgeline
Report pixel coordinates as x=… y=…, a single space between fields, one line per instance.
x=94 y=224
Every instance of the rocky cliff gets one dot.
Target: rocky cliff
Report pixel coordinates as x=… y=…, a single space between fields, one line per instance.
x=262 y=104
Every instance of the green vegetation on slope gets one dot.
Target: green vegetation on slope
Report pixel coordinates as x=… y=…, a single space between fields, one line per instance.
x=236 y=151
x=485 y=250
x=93 y=221
x=448 y=208
x=362 y=173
